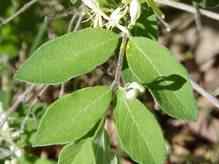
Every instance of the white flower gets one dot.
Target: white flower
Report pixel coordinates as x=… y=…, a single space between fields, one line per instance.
x=14 y=161
x=131 y=94
x=7 y=162
x=98 y=21
x=134 y=11
x=18 y=152
x=116 y=16
x=92 y=4
x=3 y=116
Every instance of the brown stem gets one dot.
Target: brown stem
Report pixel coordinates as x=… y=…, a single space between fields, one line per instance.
x=118 y=73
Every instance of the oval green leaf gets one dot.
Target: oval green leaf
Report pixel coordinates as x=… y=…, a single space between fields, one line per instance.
x=96 y=151
x=102 y=147
x=68 y=56
x=82 y=153
x=167 y=80
x=138 y=131
x=73 y=116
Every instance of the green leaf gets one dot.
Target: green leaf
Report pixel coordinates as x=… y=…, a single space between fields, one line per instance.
x=8 y=41
x=128 y=76
x=82 y=153
x=30 y=159
x=73 y=116
x=44 y=161
x=108 y=3
x=86 y=152
x=68 y=56
x=27 y=159
x=167 y=80
x=146 y=25
x=103 y=152
x=138 y=131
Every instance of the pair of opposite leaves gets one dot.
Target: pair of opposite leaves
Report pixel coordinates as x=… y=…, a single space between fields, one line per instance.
x=73 y=116
x=77 y=53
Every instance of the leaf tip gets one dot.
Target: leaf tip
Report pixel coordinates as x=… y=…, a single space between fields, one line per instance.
x=37 y=140
x=34 y=141
x=19 y=75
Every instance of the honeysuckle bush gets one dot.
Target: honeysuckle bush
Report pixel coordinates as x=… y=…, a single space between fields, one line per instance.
x=127 y=29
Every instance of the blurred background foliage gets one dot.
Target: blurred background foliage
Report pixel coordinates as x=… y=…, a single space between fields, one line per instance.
x=17 y=40
x=196 y=143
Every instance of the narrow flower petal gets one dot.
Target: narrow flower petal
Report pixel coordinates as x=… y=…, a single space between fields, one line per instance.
x=134 y=11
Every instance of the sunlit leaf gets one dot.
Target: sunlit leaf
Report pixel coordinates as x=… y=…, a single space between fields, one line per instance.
x=138 y=131
x=72 y=116
x=68 y=56
x=82 y=153
x=167 y=80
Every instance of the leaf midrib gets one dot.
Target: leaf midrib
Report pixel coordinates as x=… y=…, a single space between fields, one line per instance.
x=159 y=74
x=78 y=54
x=137 y=128
x=87 y=106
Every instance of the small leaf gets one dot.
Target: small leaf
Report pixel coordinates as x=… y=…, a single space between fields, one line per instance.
x=44 y=161
x=72 y=116
x=82 y=153
x=87 y=151
x=167 y=80
x=146 y=25
x=68 y=56
x=138 y=131
x=103 y=152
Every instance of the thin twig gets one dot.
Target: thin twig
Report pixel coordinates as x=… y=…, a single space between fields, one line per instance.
x=204 y=93
x=188 y=8
x=118 y=71
x=62 y=15
x=20 y=11
x=166 y=25
x=42 y=29
x=71 y=22
x=42 y=91
x=21 y=98
x=198 y=20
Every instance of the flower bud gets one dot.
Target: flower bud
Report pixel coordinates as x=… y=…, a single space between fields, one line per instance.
x=133 y=90
x=134 y=11
x=115 y=17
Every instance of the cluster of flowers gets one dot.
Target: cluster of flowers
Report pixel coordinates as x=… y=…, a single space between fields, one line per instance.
x=8 y=136
x=133 y=9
